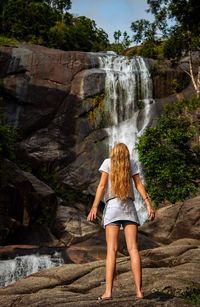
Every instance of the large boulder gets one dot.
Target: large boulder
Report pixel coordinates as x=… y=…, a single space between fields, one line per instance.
x=174 y=222
x=71 y=225
x=27 y=205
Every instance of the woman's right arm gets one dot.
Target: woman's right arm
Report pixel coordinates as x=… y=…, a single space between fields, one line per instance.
x=99 y=193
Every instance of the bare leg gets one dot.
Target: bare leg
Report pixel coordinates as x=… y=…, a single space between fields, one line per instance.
x=112 y=234
x=130 y=232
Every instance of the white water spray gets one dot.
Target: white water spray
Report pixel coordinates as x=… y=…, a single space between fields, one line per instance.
x=22 y=266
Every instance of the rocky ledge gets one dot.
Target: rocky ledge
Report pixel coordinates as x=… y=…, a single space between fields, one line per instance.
x=170 y=267
x=167 y=272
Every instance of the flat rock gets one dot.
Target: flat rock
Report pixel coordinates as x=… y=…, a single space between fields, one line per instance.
x=81 y=284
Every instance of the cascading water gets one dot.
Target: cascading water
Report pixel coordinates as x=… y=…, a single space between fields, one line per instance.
x=129 y=103
x=22 y=266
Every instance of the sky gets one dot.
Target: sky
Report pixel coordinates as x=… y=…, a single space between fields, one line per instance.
x=112 y=15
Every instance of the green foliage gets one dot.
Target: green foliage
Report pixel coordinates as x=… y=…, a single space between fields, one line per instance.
x=148 y=49
x=178 y=86
x=154 y=69
x=85 y=33
x=97 y=106
x=8 y=136
x=179 y=38
x=121 y=42
x=170 y=153
x=144 y=30
x=192 y=295
x=27 y=20
x=8 y=41
x=57 y=36
x=140 y=104
x=48 y=23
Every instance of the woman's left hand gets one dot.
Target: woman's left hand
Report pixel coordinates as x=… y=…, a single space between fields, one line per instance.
x=92 y=214
x=151 y=212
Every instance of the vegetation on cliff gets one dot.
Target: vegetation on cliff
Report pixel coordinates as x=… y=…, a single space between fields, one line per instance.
x=47 y=22
x=170 y=153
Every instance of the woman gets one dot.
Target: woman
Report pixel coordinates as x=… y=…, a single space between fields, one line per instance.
x=116 y=185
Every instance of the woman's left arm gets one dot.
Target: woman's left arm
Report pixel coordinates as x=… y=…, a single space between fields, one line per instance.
x=141 y=189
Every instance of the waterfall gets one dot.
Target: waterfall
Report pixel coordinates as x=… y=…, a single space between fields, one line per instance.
x=129 y=104
x=22 y=266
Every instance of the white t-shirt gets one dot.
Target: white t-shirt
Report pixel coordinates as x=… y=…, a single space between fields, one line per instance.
x=105 y=167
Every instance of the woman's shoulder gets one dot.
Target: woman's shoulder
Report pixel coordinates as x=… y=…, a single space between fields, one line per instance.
x=105 y=166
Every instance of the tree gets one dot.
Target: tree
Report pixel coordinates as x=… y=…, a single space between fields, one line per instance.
x=170 y=153
x=27 y=19
x=121 y=42
x=126 y=40
x=117 y=35
x=144 y=30
x=181 y=38
x=48 y=23
x=61 y=5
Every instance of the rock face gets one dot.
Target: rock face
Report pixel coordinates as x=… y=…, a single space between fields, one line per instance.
x=49 y=96
x=27 y=206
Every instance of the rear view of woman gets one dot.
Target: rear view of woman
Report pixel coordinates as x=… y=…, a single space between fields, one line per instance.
x=117 y=174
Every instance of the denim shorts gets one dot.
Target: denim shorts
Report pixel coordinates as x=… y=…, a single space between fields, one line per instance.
x=122 y=223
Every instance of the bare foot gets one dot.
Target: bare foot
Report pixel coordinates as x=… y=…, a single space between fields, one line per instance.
x=106 y=295
x=139 y=295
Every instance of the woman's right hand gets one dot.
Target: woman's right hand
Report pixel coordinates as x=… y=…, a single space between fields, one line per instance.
x=92 y=214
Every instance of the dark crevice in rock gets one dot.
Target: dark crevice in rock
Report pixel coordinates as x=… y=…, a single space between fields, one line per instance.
x=175 y=220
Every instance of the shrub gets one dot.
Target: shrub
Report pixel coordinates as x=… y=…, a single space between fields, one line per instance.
x=170 y=153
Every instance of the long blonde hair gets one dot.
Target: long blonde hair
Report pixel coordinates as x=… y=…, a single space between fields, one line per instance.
x=120 y=173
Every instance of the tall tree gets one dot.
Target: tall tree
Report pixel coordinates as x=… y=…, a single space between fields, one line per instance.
x=61 y=5
x=122 y=42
